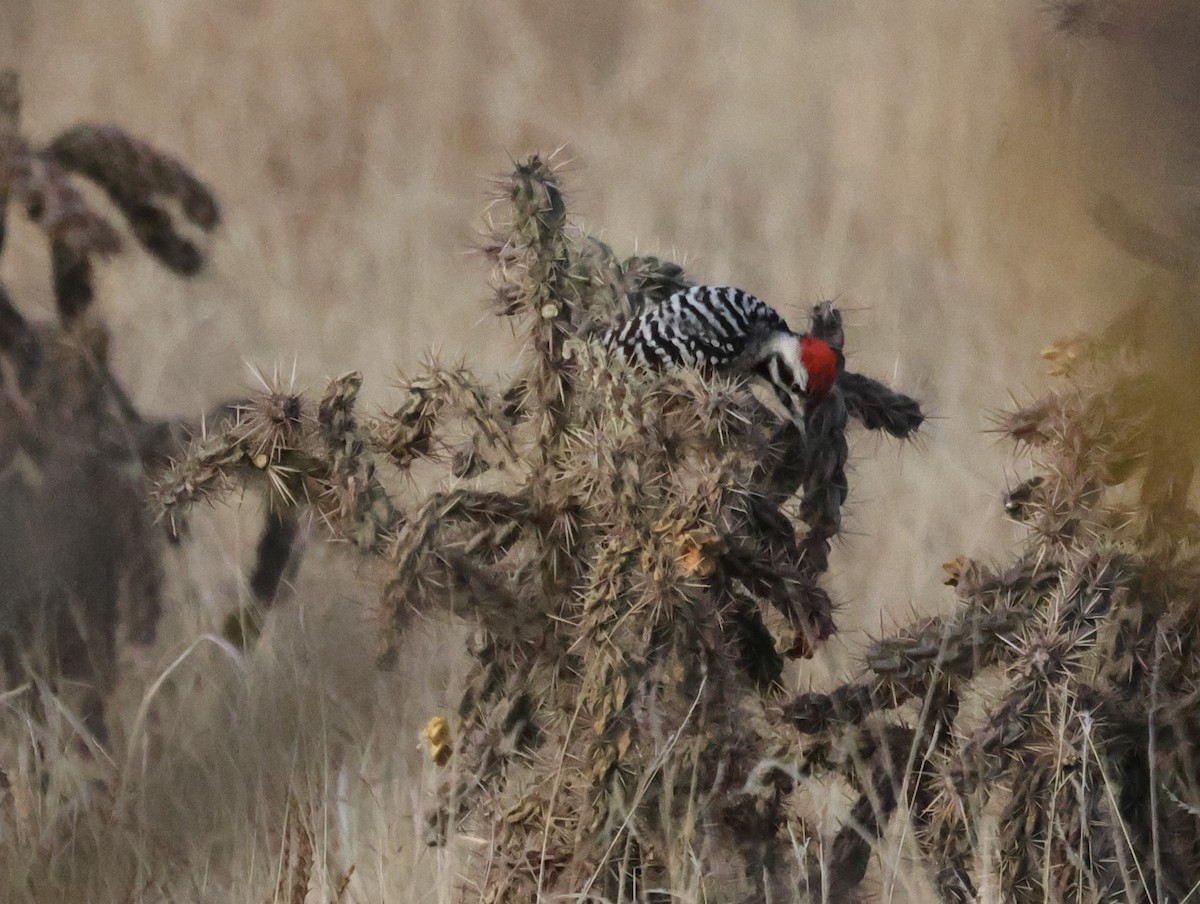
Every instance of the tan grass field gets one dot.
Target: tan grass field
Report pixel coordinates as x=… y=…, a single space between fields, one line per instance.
x=929 y=163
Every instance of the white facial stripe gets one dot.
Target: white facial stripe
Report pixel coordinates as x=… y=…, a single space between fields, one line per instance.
x=787 y=347
x=780 y=354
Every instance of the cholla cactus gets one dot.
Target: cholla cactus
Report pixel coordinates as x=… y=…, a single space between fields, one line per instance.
x=1085 y=753
x=77 y=544
x=621 y=538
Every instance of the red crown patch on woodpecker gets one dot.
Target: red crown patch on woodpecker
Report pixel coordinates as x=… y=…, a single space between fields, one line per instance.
x=821 y=363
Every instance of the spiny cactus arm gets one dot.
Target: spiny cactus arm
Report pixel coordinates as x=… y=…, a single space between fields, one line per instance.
x=626 y=586
x=883 y=759
x=876 y=405
x=428 y=570
x=1094 y=432
x=792 y=591
x=759 y=550
x=945 y=836
x=815 y=713
x=1055 y=813
x=649 y=280
x=491 y=740
x=269 y=431
x=961 y=646
x=209 y=468
x=600 y=299
x=135 y=175
x=1051 y=653
x=958 y=647
x=852 y=845
x=352 y=496
x=1139 y=764
x=532 y=275
x=409 y=432
x=317 y=460
x=782 y=467
x=825 y=323
x=757 y=656
x=879 y=407
x=825 y=454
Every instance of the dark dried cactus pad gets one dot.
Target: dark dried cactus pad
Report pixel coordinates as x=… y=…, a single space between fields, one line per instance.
x=138 y=178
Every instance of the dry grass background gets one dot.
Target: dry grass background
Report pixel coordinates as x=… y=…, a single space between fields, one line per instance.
x=927 y=161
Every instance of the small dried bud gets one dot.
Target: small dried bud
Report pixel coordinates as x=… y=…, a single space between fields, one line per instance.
x=695 y=557
x=1061 y=355
x=954 y=569
x=1017 y=500
x=437 y=737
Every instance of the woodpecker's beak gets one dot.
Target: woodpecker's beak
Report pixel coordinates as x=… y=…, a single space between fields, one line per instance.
x=801 y=421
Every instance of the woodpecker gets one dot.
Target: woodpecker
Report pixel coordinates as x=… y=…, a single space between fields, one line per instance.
x=726 y=330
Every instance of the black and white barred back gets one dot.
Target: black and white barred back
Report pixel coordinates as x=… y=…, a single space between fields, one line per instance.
x=704 y=326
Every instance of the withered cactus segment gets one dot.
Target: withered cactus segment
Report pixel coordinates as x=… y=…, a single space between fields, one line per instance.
x=135 y=176
x=318 y=459
x=879 y=407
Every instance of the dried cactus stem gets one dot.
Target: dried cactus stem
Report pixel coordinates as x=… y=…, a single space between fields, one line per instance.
x=274 y=558
x=358 y=498
x=868 y=818
x=133 y=173
x=491 y=517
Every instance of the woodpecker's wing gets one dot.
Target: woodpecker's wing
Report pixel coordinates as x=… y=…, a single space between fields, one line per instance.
x=701 y=326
